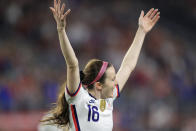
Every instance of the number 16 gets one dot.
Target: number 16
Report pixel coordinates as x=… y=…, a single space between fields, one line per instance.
x=95 y=113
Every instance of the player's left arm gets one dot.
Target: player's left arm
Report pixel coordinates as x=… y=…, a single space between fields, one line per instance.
x=146 y=23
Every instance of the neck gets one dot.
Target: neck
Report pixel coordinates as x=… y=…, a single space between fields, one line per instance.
x=95 y=93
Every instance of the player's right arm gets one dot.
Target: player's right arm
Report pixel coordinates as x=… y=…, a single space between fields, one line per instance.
x=73 y=77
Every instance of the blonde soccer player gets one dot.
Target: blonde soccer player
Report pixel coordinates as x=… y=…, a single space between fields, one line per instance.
x=86 y=103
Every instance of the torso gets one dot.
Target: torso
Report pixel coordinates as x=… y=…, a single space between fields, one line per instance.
x=89 y=114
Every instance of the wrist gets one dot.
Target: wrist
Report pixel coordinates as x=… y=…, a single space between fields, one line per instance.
x=141 y=29
x=60 y=28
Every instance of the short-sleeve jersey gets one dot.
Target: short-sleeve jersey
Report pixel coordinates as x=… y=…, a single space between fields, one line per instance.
x=87 y=113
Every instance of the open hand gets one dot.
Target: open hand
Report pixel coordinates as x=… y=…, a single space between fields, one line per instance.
x=59 y=15
x=148 y=21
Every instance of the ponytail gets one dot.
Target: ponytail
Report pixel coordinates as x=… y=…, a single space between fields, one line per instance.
x=60 y=114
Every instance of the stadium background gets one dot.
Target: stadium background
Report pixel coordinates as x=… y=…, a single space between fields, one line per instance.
x=161 y=92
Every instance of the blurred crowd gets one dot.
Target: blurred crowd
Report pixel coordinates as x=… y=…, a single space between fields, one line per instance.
x=161 y=92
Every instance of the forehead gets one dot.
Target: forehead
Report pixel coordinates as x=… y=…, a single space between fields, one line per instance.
x=110 y=72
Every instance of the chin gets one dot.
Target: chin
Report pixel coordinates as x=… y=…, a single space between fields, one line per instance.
x=110 y=96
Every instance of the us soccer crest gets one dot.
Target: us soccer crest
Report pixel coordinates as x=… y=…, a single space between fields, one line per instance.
x=102 y=105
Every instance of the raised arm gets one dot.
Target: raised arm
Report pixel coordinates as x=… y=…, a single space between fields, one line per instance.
x=73 y=77
x=146 y=23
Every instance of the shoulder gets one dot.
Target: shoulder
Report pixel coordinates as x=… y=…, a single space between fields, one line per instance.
x=80 y=94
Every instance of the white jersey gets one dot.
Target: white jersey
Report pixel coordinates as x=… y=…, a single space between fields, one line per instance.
x=86 y=113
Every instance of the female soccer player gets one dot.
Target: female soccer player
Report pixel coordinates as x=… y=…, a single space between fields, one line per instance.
x=86 y=101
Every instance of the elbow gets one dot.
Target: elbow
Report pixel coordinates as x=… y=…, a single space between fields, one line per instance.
x=73 y=64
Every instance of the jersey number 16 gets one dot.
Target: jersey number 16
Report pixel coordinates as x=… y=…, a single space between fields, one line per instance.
x=93 y=111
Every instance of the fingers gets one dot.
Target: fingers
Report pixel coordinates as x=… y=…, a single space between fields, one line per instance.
x=62 y=8
x=142 y=14
x=156 y=17
x=54 y=13
x=66 y=13
x=55 y=6
x=153 y=13
x=52 y=9
x=150 y=12
x=58 y=10
x=58 y=7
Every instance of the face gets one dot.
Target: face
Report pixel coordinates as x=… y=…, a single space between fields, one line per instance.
x=109 y=84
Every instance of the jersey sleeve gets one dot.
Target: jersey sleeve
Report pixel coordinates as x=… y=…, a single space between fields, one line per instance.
x=78 y=95
x=116 y=93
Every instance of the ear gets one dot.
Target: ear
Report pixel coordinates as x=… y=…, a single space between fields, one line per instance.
x=98 y=86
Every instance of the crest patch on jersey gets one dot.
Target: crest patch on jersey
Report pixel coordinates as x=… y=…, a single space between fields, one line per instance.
x=102 y=105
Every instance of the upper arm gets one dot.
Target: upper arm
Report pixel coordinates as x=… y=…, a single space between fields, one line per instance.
x=122 y=76
x=73 y=78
